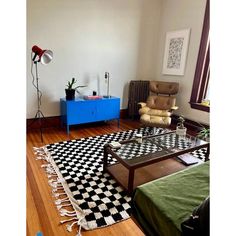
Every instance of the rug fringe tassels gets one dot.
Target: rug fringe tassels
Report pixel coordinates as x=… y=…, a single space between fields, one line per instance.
x=70 y=226
x=58 y=190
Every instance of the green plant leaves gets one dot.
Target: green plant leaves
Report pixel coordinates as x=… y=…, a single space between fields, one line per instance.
x=204 y=133
x=70 y=84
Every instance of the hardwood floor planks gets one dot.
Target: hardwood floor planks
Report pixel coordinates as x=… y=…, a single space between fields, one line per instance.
x=33 y=213
x=42 y=214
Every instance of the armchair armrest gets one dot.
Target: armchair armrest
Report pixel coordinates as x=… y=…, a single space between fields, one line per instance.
x=142 y=104
x=174 y=108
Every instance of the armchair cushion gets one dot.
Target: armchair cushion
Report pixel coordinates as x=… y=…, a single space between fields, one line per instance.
x=144 y=110
x=160 y=102
x=158 y=108
x=162 y=87
x=162 y=121
x=154 y=112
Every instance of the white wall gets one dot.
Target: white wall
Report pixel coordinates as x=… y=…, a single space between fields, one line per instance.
x=177 y=15
x=125 y=38
x=89 y=37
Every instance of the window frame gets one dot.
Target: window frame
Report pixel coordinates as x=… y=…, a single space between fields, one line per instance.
x=202 y=72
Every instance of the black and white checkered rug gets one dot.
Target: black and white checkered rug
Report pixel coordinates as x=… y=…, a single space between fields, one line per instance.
x=76 y=166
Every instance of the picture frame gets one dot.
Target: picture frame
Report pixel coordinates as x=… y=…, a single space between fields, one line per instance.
x=175 y=54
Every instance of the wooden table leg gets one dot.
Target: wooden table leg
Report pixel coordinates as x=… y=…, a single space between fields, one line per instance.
x=105 y=157
x=131 y=181
x=207 y=153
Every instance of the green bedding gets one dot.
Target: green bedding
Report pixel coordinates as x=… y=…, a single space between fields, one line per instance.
x=162 y=205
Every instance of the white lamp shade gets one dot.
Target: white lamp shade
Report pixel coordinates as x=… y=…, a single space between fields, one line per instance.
x=45 y=56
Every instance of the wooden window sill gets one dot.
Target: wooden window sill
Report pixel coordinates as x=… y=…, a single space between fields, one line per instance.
x=199 y=106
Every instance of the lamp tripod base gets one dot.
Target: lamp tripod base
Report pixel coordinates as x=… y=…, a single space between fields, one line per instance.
x=39 y=117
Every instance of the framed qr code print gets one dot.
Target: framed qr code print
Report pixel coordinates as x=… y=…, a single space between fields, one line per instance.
x=175 y=53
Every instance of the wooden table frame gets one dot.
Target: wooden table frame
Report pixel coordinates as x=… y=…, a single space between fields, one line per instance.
x=154 y=159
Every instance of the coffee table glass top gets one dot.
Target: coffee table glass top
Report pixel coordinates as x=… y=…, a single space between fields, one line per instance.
x=155 y=146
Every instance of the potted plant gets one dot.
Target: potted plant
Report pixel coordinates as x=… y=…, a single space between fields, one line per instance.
x=204 y=133
x=180 y=129
x=70 y=90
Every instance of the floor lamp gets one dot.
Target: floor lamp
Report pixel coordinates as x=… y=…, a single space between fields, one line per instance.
x=43 y=56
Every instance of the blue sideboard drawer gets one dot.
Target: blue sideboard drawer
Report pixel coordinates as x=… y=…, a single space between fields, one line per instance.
x=108 y=109
x=81 y=111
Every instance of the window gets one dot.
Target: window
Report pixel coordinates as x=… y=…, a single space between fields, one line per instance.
x=200 y=97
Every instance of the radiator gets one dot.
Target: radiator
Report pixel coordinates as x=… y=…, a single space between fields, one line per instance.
x=138 y=92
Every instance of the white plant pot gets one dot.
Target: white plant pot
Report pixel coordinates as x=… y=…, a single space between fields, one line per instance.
x=181 y=131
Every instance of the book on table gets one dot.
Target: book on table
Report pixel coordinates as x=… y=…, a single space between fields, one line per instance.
x=189 y=159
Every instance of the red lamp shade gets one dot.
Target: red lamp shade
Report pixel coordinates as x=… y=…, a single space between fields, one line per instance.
x=45 y=56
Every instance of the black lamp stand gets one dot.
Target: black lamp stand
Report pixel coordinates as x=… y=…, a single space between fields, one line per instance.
x=39 y=115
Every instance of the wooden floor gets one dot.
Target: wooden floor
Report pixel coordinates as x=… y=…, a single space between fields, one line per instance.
x=42 y=214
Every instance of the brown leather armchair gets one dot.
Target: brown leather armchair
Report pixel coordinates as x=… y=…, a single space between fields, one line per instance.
x=157 y=110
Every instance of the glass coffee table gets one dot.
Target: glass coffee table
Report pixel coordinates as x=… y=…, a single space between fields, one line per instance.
x=155 y=148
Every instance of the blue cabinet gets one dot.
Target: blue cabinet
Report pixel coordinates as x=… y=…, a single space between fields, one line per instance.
x=80 y=111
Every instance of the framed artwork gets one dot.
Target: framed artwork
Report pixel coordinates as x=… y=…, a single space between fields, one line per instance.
x=175 y=54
